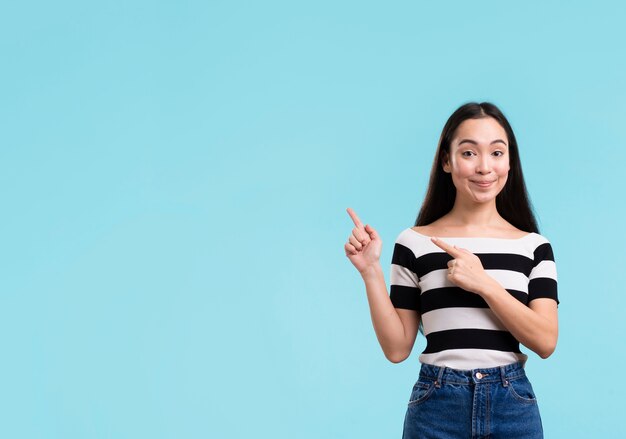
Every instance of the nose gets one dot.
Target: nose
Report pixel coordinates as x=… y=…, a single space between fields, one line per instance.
x=484 y=165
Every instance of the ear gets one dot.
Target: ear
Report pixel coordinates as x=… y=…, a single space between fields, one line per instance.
x=446 y=163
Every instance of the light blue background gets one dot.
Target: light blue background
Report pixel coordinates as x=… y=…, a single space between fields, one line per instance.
x=174 y=183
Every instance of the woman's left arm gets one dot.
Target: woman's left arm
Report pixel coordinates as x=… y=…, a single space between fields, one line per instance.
x=535 y=325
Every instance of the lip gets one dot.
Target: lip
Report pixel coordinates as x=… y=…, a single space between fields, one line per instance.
x=483 y=183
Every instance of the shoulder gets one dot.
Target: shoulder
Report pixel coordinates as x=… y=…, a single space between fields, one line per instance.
x=542 y=243
x=437 y=227
x=541 y=248
x=538 y=239
x=421 y=229
x=410 y=240
x=406 y=236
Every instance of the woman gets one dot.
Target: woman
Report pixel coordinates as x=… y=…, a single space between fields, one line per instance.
x=477 y=277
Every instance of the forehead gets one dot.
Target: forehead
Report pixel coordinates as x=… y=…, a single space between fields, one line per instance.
x=484 y=131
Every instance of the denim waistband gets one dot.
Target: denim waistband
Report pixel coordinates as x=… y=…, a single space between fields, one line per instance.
x=443 y=374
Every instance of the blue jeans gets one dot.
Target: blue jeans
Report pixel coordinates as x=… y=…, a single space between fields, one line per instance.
x=496 y=402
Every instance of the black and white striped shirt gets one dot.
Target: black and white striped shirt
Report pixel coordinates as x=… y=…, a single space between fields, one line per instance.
x=461 y=331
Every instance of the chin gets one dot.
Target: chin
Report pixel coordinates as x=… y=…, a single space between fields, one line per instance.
x=483 y=200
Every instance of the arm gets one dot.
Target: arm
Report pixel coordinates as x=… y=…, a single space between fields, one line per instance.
x=535 y=325
x=396 y=329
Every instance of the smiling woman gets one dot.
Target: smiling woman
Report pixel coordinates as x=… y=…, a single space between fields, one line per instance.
x=476 y=277
x=476 y=165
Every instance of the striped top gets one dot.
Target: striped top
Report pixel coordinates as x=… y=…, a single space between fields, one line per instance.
x=461 y=331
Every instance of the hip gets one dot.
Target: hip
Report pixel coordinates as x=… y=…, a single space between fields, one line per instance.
x=484 y=402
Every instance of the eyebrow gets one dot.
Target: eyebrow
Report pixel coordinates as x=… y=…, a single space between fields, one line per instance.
x=476 y=143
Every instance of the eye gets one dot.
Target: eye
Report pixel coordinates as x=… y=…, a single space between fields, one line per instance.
x=500 y=153
x=464 y=153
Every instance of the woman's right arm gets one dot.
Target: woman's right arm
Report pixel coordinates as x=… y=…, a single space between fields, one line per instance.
x=396 y=328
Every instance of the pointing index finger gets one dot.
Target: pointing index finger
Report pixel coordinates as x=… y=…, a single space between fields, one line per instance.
x=446 y=247
x=355 y=218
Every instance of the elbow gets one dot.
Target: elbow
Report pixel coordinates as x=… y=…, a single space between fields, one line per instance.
x=396 y=357
x=547 y=350
x=545 y=354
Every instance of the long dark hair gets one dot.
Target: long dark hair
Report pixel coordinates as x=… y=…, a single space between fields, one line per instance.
x=512 y=202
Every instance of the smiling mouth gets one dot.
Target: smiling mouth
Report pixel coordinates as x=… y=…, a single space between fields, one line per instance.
x=483 y=183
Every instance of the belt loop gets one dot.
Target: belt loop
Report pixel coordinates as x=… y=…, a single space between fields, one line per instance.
x=505 y=382
x=439 y=376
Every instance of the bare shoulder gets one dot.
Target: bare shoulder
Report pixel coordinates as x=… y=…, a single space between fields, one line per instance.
x=440 y=227
x=516 y=233
x=436 y=228
x=509 y=231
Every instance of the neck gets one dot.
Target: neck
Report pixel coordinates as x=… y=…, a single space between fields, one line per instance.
x=472 y=215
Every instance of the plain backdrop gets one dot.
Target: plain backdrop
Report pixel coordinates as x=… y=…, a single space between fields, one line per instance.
x=174 y=183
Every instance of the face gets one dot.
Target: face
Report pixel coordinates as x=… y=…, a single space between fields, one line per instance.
x=479 y=152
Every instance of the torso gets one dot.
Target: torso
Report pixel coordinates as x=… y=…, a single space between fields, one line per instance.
x=461 y=330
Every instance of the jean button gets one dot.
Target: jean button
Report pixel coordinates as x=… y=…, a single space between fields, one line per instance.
x=479 y=375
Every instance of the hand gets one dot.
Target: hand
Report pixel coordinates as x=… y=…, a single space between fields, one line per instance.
x=364 y=245
x=465 y=270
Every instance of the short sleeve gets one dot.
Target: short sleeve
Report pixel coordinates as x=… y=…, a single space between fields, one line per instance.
x=404 y=286
x=542 y=282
